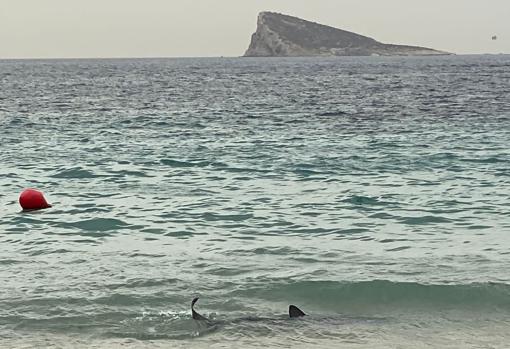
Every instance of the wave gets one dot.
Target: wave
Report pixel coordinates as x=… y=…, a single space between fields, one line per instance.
x=342 y=295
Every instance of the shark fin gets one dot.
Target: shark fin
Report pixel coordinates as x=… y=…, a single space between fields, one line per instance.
x=194 y=314
x=295 y=311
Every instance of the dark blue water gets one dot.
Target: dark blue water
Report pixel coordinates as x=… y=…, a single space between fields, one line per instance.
x=372 y=192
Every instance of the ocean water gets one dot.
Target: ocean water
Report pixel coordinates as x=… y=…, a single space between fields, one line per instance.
x=373 y=193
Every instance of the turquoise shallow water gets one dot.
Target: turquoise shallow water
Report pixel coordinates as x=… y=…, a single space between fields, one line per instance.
x=371 y=192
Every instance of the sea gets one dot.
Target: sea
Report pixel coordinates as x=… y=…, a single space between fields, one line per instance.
x=373 y=193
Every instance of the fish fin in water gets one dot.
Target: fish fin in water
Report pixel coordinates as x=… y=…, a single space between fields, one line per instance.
x=194 y=314
x=295 y=311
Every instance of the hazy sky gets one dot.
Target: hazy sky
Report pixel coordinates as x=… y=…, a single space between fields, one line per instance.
x=189 y=28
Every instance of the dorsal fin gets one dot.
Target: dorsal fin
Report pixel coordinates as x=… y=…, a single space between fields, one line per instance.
x=194 y=314
x=295 y=311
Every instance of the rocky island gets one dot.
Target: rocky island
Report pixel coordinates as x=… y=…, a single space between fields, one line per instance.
x=280 y=35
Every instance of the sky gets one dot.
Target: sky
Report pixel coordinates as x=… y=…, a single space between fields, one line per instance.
x=204 y=28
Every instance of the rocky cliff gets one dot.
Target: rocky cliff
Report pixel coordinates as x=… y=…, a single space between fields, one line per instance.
x=279 y=35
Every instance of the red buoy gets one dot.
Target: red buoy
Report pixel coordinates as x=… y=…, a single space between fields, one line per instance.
x=31 y=199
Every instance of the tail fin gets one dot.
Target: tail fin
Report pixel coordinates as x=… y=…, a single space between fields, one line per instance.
x=295 y=311
x=194 y=314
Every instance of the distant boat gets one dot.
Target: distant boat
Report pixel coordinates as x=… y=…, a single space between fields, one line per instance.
x=494 y=37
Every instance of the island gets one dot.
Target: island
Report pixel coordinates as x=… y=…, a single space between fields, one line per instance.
x=280 y=35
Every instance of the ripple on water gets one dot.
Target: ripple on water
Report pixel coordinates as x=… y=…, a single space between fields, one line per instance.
x=100 y=226
x=74 y=173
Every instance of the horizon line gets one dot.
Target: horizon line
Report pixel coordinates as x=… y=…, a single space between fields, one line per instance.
x=205 y=57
